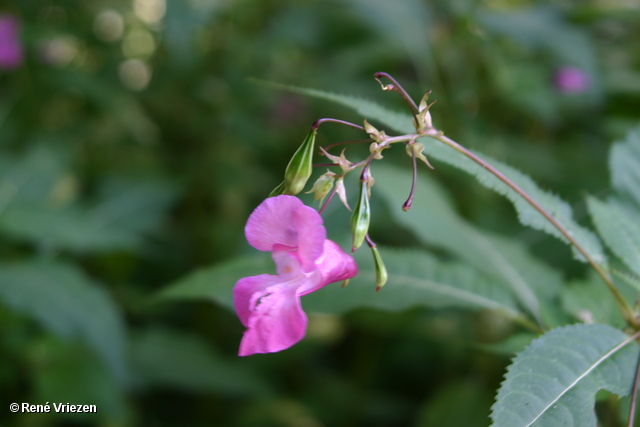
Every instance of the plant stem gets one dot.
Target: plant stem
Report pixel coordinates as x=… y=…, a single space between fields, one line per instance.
x=625 y=309
x=318 y=122
x=397 y=87
x=634 y=396
x=407 y=205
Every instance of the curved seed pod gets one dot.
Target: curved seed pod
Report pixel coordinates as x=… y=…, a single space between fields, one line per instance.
x=381 y=270
x=360 y=217
x=300 y=166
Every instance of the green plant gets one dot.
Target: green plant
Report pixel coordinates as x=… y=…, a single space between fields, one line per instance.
x=555 y=379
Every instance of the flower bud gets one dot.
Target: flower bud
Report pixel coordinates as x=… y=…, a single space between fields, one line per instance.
x=416 y=149
x=374 y=149
x=340 y=160
x=300 y=166
x=374 y=133
x=424 y=116
x=380 y=269
x=360 y=218
x=322 y=186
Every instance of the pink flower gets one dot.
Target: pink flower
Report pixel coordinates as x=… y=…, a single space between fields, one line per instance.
x=11 y=54
x=571 y=80
x=268 y=305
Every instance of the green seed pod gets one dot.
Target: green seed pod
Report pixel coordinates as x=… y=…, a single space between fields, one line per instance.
x=278 y=190
x=300 y=166
x=360 y=218
x=381 y=270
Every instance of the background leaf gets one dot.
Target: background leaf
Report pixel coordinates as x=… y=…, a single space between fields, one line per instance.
x=554 y=380
x=624 y=164
x=444 y=408
x=69 y=372
x=38 y=204
x=171 y=359
x=415 y=279
x=619 y=230
x=66 y=302
x=434 y=221
x=588 y=301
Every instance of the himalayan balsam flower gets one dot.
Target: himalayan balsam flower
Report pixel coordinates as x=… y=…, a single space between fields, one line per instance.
x=11 y=54
x=269 y=306
x=571 y=80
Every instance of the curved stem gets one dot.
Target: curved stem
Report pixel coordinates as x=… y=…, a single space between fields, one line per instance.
x=407 y=205
x=396 y=87
x=326 y=203
x=625 y=309
x=318 y=122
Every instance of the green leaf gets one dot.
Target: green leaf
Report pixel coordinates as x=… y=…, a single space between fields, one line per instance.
x=527 y=215
x=163 y=358
x=401 y=25
x=216 y=282
x=624 y=163
x=433 y=219
x=415 y=279
x=544 y=28
x=553 y=382
x=66 y=302
x=619 y=230
x=38 y=203
x=69 y=372
x=590 y=301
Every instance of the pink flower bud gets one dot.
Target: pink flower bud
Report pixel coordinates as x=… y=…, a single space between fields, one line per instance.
x=11 y=52
x=571 y=80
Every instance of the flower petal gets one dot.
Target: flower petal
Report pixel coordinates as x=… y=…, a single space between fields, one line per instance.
x=334 y=265
x=245 y=288
x=285 y=223
x=276 y=319
x=311 y=236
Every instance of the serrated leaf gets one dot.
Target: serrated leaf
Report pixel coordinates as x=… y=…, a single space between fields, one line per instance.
x=434 y=221
x=66 y=302
x=527 y=215
x=619 y=231
x=553 y=382
x=624 y=163
x=164 y=358
x=415 y=279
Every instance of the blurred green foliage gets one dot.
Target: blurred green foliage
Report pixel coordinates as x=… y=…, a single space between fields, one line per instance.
x=133 y=148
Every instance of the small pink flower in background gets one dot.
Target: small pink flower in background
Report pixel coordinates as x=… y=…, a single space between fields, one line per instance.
x=571 y=80
x=269 y=306
x=11 y=54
